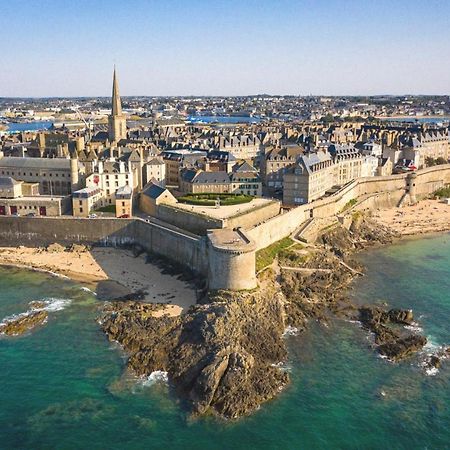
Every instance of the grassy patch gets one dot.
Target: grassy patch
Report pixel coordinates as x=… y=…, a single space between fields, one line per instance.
x=291 y=257
x=210 y=199
x=265 y=256
x=443 y=192
x=107 y=209
x=349 y=204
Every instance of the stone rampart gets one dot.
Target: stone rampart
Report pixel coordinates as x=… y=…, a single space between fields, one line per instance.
x=225 y=256
x=381 y=192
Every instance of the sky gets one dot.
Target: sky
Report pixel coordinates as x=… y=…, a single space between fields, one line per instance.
x=227 y=47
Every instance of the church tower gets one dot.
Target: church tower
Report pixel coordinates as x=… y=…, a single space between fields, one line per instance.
x=117 y=124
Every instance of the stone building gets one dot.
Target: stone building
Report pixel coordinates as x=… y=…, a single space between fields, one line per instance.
x=117 y=124
x=109 y=176
x=310 y=178
x=86 y=200
x=152 y=196
x=56 y=176
x=155 y=169
x=275 y=163
x=246 y=180
x=200 y=182
x=124 y=201
x=18 y=198
x=348 y=163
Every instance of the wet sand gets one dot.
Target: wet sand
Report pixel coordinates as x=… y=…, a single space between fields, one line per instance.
x=98 y=265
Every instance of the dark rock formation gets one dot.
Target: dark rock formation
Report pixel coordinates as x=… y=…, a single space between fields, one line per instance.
x=220 y=356
x=393 y=342
x=23 y=323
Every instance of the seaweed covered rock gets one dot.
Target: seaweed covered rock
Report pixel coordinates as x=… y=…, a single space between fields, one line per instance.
x=23 y=323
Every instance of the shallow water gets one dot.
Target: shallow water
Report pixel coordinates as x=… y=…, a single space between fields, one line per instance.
x=62 y=386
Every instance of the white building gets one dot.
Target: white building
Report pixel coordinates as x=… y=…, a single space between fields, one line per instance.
x=109 y=176
x=155 y=169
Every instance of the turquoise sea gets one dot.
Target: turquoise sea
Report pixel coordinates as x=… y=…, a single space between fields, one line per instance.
x=62 y=385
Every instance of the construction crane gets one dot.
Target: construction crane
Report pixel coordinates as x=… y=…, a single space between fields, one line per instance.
x=76 y=108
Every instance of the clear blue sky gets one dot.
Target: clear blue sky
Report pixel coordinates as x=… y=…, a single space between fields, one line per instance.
x=227 y=47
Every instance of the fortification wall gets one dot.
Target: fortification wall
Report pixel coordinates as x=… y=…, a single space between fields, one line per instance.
x=228 y=263
x=253 y=217
x=382 y=192
x=278 y=227
x=181 y=218
x=37 y=231
x=167 y=241
x=201 y=223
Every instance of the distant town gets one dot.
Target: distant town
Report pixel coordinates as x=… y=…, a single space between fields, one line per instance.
x=91 y=157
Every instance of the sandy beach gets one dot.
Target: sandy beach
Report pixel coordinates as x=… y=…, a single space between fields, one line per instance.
x=427 y=216
x=100 y=265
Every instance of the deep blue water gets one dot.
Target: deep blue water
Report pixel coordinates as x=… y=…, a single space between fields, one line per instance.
x=223 y=119
x=29 y=126
x=62 y=386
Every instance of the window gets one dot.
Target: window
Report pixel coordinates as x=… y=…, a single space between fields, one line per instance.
x=123 y=203
x=81 y=210
x=81 y=202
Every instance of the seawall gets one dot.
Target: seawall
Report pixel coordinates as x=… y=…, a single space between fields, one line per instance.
x=226 y=257
x=197 y=253
x=381 y=192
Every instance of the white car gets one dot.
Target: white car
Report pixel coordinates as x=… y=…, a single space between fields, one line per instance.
x=92 y=216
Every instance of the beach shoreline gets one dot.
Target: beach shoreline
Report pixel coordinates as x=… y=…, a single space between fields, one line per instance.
x=121 y=272
x=135 y=274
x=425 y=218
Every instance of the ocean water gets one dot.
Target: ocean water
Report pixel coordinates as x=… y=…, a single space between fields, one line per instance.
x=223 y=119
x=62 y=386
x=29 y=126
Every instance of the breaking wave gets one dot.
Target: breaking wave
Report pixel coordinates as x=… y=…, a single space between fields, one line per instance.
x=290 y=331
x=155 y=377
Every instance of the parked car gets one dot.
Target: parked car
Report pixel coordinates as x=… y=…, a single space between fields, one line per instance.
x=31 y=215
x=92 y=216
x=124 y=216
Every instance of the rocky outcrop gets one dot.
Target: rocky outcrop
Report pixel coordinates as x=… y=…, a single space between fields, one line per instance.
x=392 y=341
x=23 y=323
x=220 y=356
x=324 y=293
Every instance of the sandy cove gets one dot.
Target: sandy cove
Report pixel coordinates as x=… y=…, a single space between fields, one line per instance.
x=103 y=263
x=427 y=216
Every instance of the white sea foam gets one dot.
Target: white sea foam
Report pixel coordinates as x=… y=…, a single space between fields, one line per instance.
x=290 y=331
x=59 y=275
x=155 y=377
x=414 y=327
x=86 y=289
x=432 y=371
x=54 y=304
x=283 y=366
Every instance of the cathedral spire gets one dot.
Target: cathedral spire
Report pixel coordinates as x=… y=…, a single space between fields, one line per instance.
x=117 y=123
x=116 y=103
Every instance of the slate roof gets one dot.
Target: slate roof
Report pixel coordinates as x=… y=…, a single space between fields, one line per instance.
x=153 y=191
x=212 y=178
x=155 y=161
x=34 y=163
x=124 y=192
x=8 y=182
